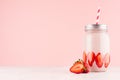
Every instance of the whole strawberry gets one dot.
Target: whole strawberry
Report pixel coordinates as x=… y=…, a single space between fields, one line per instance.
x=86 y=68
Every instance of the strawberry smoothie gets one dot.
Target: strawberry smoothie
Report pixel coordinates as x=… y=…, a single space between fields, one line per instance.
x=97 y=47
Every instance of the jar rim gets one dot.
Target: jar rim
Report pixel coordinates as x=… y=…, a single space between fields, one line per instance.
x=96 y=27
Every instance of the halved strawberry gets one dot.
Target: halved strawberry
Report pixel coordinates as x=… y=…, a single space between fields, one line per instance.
x=99 y=60
x=91 y=57
x=77 y=67
x=106 y=60
x=84 y=57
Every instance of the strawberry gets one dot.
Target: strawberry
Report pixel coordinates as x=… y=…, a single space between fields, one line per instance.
x=77 y=67
x=99 y=60
x=79 y=61
x=84 y=57
x=91 y=57
x=86 y=68
x=107 y=60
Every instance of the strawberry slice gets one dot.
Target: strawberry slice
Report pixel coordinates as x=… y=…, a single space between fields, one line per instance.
x=91 y=57
x=84 y=57
x=77 y=67
x=99 y=60
x=107 y=60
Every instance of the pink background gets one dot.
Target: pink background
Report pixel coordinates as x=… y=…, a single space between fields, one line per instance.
x=51 y=32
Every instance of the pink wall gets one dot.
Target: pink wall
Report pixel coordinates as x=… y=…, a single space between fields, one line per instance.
x=51 y=32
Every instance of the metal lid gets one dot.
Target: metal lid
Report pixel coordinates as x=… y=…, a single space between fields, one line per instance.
x=96 y=27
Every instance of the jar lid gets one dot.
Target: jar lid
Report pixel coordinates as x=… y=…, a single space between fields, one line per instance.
x=96 y=27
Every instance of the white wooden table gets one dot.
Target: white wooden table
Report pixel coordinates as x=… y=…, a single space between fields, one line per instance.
x=54 y=73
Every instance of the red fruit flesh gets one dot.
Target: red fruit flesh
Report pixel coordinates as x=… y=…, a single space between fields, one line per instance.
x=91 y=57
x=99 y=60
x=84 y=57
x=77 y=68
x=86 y=68
x=107 y=60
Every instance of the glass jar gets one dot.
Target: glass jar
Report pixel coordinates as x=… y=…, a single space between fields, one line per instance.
x=97 y=47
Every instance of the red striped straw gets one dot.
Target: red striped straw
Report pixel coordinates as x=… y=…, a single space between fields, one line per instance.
x=98 y=16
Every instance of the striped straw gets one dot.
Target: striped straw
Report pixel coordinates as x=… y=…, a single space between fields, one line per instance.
x=98 y=16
